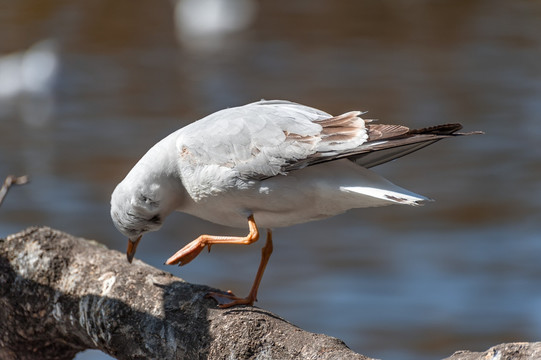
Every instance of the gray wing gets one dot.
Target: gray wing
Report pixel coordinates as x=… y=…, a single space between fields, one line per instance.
x=266 y=138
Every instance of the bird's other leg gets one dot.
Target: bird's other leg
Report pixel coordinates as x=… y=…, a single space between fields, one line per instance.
x=190 y=251
x=232 y=300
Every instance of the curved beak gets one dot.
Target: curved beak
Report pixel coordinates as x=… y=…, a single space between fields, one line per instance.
x=132 y=247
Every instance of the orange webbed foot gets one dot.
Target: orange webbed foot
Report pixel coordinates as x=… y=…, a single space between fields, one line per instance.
x=190 y=251
x=187 y=253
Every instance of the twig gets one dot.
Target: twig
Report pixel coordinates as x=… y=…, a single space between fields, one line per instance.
x=11 y=180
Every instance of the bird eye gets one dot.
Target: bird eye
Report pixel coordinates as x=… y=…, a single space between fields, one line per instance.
x=148 y=200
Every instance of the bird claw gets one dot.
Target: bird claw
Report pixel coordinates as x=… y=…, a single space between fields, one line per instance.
x=228 y=300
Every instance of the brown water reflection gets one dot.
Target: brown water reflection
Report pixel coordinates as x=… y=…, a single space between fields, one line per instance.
x=394 y=283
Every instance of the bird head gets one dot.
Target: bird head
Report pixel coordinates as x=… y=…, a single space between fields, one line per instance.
x=135 y=211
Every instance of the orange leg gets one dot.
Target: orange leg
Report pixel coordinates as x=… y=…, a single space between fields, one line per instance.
x=190 y=251
x=252 y=296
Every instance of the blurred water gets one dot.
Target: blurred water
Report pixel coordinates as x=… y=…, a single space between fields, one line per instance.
x=394 y=283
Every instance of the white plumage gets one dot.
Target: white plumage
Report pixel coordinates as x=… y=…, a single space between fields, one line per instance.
x=268 y=164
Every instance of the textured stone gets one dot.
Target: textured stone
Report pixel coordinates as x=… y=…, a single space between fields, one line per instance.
x=61 y=295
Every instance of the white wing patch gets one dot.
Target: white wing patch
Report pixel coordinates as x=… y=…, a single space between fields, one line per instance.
x=402 y=197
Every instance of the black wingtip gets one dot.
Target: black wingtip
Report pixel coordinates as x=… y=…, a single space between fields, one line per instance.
x=444 y=129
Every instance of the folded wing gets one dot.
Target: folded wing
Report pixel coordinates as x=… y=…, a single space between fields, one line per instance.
x=267 y=138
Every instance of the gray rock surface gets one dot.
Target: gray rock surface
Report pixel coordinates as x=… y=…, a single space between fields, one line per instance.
x=510 y=351
x=61 y=294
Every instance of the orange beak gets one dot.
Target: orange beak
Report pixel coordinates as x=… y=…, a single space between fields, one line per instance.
x=132 y=247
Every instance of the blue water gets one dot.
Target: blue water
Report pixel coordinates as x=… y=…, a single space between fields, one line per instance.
x=394 y=283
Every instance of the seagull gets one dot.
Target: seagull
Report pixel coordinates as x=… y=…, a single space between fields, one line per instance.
x=267 y=164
